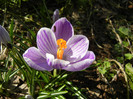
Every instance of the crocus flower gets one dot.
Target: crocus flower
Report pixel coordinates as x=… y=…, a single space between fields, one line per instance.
x=56 y=15
x=4 y=36
x=59 y=48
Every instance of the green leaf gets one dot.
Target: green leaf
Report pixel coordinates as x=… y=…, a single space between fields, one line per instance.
x=21 y=97
x=131 y=35
x=22 y=60
x=6 y=79
x=125 y=43
x=128 y=56
x=32 y=82
x=131 y=84
x=107 y=64
x=59 y=97
x=63 y=77
x=44 y=77
x=129 y=71
x=112 y=75
x=14 y=72
x=33 y=34
x=105 y=67
x=11 y=30
x=19 y=64
x=59 y=89
x=102 y=70
x=120 y=59
x=51 y=94
x=124 y=30
x=75 y=90
x=129 y=68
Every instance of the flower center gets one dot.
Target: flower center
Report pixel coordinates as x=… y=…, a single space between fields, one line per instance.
x=61 y=46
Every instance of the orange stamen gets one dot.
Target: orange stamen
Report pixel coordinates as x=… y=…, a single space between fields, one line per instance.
x=61 y=46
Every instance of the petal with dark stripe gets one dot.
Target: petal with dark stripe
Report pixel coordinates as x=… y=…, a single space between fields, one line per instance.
x=33 y=58
x=82 y=64
x=63 y=29
x=46 y=41
x=77 y=47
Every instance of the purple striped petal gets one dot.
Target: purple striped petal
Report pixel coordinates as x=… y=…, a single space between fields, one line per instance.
x=82 y=64
x=50 y=59
x=46 y=42
x=59 y=64
x=77 y=47
x=63 y=29
x=34 y=59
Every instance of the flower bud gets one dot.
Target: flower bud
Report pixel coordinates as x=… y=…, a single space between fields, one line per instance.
x=56 y=15
x=4 y=36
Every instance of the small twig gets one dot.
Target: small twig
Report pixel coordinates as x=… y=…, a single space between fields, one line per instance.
x=3 y=54
x=93 y=36
x=115 y=76
x=114 y=31
x=125 y=76
x=5 y=51
x=129 y=48
x=119 y=39
x=106 y=81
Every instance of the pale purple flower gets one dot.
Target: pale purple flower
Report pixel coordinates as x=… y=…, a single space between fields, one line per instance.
x=59 y=48
x=56 y=15
x=4 y=36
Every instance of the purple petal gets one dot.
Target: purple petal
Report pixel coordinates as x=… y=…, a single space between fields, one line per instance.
x=59 y=64
x=63 y=29
x=4 y=36
x=85 y=62
x=50 y=59
x=46 y=41
x=34 y=59
x=56 y=15
x=77 y=47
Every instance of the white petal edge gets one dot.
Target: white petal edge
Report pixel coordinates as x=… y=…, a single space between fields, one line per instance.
x=34 y=59
x=82 y=64
x=59 y=64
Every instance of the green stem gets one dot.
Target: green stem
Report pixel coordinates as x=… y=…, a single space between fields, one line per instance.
x=32 y=85
x=55 y=72
x=1 y=76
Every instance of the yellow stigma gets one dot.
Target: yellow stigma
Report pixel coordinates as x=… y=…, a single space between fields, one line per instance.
x=61 y=46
